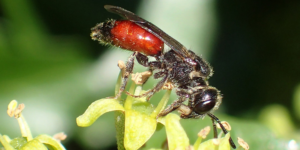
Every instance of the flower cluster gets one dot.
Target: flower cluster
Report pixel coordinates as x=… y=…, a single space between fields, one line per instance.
x=41 y=142
x=136 y=121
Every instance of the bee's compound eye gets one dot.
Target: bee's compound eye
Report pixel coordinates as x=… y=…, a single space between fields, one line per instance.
x=205 y=101
x=204 y=107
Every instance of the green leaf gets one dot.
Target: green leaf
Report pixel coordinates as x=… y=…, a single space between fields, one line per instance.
x=96 y=109
x=177 y=138
x=139 y=127
x=50 y=142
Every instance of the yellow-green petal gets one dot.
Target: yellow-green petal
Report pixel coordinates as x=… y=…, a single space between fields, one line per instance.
x=34 y=145
x=224 y=142
x=5 y=143
x=6 y=138
x=162 y=120
x=120 y=129
x=18 y=142
x=139 y=127
x=50 y=142
x=96 y=109
x=177 y=138
x=211 y=144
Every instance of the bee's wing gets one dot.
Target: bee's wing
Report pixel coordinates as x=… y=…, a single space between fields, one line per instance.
x=168 y=40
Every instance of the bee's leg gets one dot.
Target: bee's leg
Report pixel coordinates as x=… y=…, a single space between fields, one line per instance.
x=176 y=104
x=128 y=71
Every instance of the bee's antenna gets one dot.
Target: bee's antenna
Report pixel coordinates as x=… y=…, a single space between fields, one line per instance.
x=214 y=118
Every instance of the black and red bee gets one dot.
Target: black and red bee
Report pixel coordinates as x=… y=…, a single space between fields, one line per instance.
x=181 y=67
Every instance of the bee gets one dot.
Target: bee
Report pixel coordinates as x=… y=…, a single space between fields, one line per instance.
x=181 y=67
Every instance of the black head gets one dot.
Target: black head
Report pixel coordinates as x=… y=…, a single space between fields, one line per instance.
x=206 y=101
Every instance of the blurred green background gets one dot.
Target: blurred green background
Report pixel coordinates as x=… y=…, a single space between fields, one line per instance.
x=49 y=62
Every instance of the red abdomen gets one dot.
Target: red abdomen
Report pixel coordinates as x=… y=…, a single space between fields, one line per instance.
x=127 y=35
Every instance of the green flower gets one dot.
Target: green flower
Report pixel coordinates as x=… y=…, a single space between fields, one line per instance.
x=27 y=142
x=136 y=121
x=135 y=118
